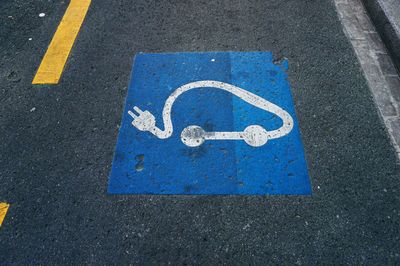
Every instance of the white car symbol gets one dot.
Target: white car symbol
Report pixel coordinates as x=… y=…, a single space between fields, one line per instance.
x=193 y=136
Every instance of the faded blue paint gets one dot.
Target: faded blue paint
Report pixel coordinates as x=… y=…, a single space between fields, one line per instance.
x=144 y=164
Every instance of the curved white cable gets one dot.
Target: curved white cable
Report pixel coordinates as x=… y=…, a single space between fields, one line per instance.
x=194 y=136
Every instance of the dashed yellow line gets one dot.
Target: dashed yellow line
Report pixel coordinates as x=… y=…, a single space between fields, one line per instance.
x=3 y=211
x=57 y=53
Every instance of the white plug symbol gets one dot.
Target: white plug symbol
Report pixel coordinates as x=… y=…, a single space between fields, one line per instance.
x=142 y=120
x=193 y=136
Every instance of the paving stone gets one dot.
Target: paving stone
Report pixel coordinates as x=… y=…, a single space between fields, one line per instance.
x=375 y=42
x=396 y=129
x=394 y=85
x=386 y=64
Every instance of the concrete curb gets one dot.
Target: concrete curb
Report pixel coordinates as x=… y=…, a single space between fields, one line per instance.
x=378 y=66
x=385 y=14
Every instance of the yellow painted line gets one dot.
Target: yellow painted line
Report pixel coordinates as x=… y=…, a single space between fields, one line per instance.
x=3 y=211
x=56 y=56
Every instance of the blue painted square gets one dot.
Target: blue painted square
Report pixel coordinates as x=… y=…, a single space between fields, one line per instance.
x=146 y=164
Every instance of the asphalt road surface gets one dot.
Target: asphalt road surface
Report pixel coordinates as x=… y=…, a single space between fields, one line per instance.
x=57 y=142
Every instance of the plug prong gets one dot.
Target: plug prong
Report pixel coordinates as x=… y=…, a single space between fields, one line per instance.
x=132 y=114
x=137 y=109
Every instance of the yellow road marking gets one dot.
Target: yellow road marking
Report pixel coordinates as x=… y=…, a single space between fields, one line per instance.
x=56 y=56
x=3 y=211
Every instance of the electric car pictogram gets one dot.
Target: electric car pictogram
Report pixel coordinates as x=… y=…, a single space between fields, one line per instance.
x=193 y=136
